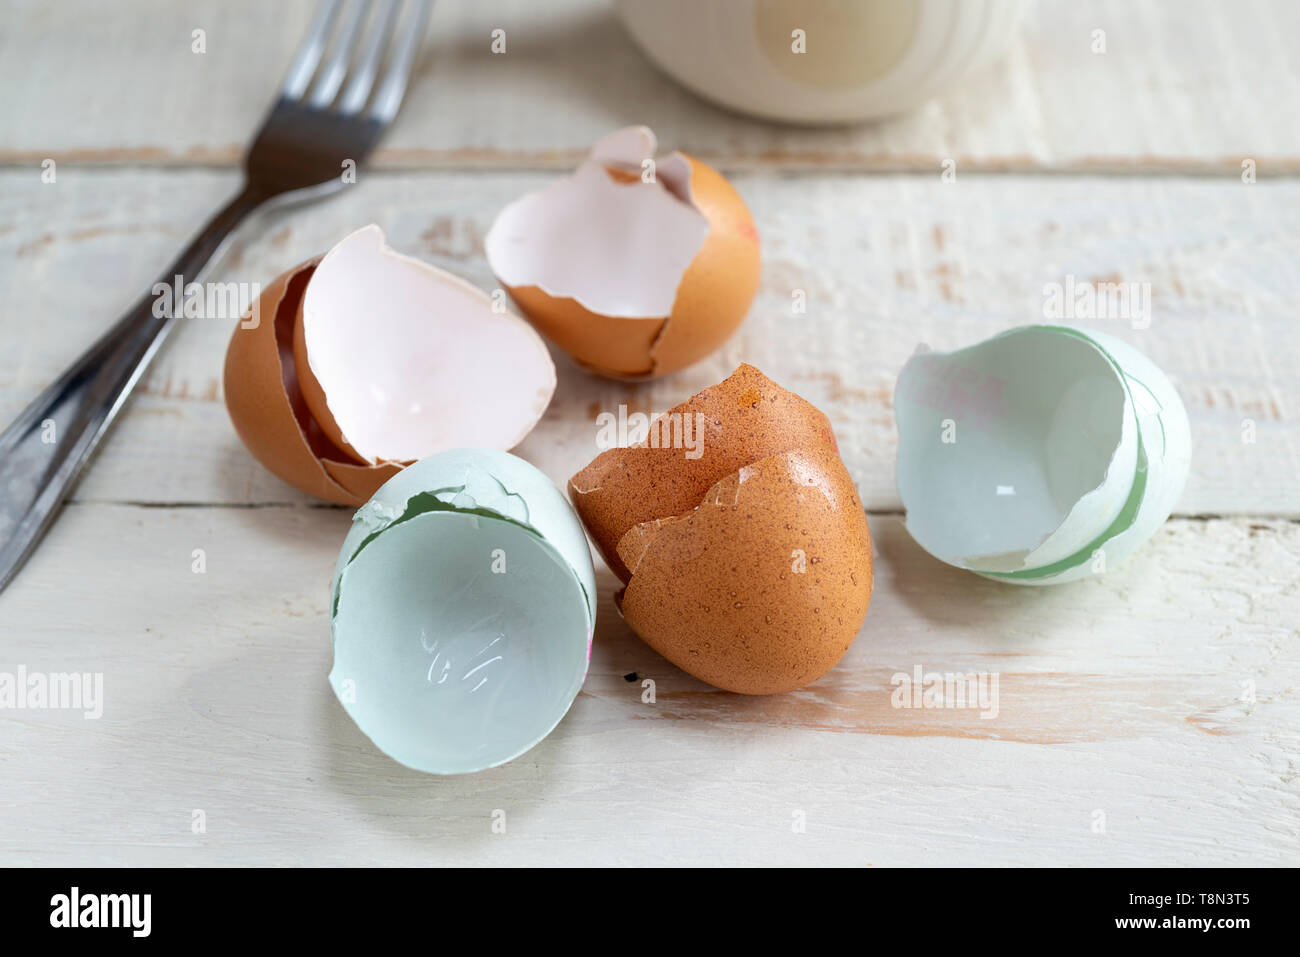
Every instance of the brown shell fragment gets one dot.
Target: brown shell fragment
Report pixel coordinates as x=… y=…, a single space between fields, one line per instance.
x=750 y=566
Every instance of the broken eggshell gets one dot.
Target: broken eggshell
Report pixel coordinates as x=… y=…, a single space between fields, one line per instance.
x=636 y=268
x=749 y=564
x=462 y=612
x=1042 y=455
x=742 y=419
x=364 y=360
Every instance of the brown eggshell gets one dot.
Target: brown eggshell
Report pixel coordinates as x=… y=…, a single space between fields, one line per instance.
x=269 y=412
x=312 y=391
x=763 y=587
x=747 y=417
x=607 y=345
x=714 y=295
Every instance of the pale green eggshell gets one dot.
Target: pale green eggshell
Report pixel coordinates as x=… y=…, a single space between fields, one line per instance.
x=1027 y=456
x=463 y=608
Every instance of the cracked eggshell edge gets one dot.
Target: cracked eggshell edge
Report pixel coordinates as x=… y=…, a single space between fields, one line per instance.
x=498 y=482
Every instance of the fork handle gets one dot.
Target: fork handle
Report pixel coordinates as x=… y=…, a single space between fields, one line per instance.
x=44 y=450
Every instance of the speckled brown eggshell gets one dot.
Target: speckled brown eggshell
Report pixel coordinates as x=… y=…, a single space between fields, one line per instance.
x=269 y=412
x=747 y=417
x=761 y=588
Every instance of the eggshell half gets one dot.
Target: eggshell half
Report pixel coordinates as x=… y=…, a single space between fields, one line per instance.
x=1042 y=455
x=762 y=587
x=462 y=612
x=416 y=359
x=746 y=417
x=633 y=278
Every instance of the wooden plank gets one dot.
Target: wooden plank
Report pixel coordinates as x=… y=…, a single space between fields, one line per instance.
x=1191 y=86
x=1120 y=695
x=885 y=262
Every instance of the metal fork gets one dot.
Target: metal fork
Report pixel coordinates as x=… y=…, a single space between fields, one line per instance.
x=300 y=153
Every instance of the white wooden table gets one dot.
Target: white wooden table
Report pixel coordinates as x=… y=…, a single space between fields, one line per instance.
x=1148 y=716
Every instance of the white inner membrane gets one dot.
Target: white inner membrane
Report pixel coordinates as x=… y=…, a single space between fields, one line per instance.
x=619 y=249
x=414 y=361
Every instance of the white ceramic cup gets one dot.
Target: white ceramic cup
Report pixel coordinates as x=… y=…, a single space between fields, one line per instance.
x=821 y=61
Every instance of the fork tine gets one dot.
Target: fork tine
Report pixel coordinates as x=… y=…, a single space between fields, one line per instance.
x=389 y=96
x=309 y=51
x=336 y=67
x=363 y=77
